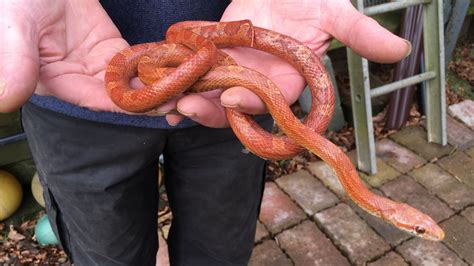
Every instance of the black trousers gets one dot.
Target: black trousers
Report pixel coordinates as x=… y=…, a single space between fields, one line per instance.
x=100 y=187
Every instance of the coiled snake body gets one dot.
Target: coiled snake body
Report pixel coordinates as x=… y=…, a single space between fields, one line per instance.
x=189 y=61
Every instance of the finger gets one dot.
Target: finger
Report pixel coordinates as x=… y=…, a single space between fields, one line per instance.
x=19 y=66
x=174 y=119
x=363 y=34
x=205 y=111
x=245 y=101
x=81 y=90
x=164 y=109
x=167 y=108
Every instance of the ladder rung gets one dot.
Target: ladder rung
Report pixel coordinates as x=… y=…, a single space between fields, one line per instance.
x=392 y=6
x=402 y=83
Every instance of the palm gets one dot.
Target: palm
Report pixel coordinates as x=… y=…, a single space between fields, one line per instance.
x=81 y=53
x=75 y=41
x=300 y=21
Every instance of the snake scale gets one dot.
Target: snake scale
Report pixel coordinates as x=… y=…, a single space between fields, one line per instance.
x=189 y=60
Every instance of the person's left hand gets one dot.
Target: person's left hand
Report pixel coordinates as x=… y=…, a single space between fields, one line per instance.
x=313 y=22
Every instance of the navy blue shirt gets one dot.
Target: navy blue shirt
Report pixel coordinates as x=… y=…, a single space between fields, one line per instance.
x=141 y=21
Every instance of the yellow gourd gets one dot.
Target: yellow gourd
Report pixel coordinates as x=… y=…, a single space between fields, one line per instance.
x=37 y=190
x=11 y=194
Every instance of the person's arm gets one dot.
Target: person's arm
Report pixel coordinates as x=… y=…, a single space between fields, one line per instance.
x=58 y=48
x=315 y=23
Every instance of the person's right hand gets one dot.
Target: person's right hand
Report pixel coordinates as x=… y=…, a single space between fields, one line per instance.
x=58 y=48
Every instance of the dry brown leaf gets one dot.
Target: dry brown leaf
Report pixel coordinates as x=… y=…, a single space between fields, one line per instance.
x=40 y=256
x=165 y=210
x=166 y=217
x=165 y=230
x=14 y=235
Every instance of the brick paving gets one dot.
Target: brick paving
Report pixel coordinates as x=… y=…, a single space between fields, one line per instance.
x=390 y=259
x=278 y=211
x=353 y=236
x=403 y=160
x=406 y=190
x=414 y=138
x=269 y=253
x=463 y=111
x=307 y=219
x=307 y=191
x=421 y=252
x=305 y=244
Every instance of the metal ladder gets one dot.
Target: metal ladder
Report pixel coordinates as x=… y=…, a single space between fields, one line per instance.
x=434 y=77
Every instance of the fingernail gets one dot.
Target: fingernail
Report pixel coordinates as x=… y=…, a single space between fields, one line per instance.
x=409 y=47
x=186 y=113
x=156 y=113
x=231 y=102
x=161 y=113
x=172 y=120
x=172 y=123
x=3 y=85
x=229 y=105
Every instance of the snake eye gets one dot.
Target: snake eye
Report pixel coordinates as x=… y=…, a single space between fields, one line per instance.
x=420 y=230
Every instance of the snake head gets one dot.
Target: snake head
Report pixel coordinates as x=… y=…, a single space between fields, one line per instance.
x=415 y=223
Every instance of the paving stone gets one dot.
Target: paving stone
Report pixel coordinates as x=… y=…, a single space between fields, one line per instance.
x=431 y=176
x=459 y=135
x=463 y=111
x=384 y=174
x=307 y=245
x=469 y=214
x=406 y=190
x=414 y=138
x=261 y=232
x=162 y=258
x=470 y=152
x=399 y=157
x=324 y=173
x=423 y=252
x=390 y=233
x=321 y=170
x=268 y=253
x=307 y=191
x=445 y=186
x=351 y=234
x=461 y=166
x=459 y=237
x=390 y=259
x=278 y=211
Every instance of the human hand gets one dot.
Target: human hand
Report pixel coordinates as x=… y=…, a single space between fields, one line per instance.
x=58 y=48
x=313 y=22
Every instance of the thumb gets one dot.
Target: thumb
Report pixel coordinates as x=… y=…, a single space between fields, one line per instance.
x=363 y=34
x=19 y=63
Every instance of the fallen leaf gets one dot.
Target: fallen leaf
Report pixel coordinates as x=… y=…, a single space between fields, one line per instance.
x=165 y=217
x=14 y=235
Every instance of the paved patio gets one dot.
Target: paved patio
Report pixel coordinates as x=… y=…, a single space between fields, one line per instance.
x=306 y=218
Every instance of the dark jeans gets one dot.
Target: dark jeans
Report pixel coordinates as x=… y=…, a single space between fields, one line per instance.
x=100 y=187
